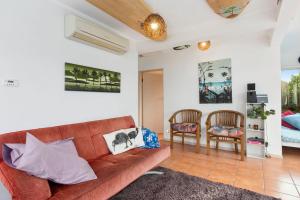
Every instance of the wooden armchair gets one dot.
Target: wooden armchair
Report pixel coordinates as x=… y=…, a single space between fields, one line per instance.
x=229 y=119
x=186 y=123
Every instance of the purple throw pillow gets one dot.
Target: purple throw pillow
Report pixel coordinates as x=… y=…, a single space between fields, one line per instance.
x=13 y=152
x=58 y=163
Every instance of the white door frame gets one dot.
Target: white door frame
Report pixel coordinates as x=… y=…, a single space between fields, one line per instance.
x=140 y=96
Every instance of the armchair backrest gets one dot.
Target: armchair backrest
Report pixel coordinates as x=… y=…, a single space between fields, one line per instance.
x=225 y=118
x=186 y=116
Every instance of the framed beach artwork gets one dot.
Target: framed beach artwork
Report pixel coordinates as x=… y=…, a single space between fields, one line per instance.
x=215 y=81
x=90 y=79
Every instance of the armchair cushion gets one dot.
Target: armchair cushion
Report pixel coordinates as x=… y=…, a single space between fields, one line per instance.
x=235 y=132
x=184 y=127
x=226 y=131
x=218 y=130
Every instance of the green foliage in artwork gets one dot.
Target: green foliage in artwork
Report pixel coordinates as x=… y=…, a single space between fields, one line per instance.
x=82 y=78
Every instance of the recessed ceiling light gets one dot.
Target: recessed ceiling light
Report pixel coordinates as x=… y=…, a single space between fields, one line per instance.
x=178 y=48
x=204 y=45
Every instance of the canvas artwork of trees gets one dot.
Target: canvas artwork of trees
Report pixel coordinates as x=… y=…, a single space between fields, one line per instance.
x=215 y=82
x=82 y=78
x=290 y=90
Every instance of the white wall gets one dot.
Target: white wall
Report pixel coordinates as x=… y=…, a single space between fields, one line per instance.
x=290 y=50
x=290 y=58
x=33 y=50
x=252 y=61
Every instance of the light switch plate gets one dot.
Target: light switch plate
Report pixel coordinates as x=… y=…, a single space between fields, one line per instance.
x=11 y=83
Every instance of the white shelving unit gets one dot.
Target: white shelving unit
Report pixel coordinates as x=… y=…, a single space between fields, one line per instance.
x=255 y=150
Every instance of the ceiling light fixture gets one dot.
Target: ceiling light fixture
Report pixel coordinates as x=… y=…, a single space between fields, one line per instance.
x=155 y=27
x=228 y=8
x=203 y=46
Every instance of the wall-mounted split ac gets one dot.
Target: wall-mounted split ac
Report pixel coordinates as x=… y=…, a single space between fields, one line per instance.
x=90 y=33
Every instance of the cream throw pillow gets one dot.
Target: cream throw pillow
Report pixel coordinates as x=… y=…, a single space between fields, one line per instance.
x=124 y=140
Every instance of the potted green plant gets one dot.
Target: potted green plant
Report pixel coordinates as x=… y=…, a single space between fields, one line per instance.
x=260 y=112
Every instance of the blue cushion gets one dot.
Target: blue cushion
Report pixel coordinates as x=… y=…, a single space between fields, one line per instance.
x=293 y=120
x=150 y=139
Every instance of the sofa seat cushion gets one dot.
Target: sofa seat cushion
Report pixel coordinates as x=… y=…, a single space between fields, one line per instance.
x=114 y=174
x=185 y=127
x=22 y=186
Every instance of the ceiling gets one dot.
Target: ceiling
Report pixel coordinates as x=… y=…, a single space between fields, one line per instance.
x=132 y=12
x=190 y=20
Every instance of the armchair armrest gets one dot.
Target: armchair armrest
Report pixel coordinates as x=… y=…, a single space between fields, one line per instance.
x=198 y=124
x=172 y=119
x=208 y=124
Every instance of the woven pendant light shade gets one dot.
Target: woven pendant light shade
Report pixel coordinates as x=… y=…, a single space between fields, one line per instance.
x=155 y=27
x=228 y=8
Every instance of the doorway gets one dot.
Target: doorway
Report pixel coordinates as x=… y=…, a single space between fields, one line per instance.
x=151 y=97
x=290 y=102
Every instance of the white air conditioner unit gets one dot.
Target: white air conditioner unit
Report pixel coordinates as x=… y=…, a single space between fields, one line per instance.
x=90 y=33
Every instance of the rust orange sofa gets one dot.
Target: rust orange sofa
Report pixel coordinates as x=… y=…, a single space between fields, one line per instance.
x=114 y=172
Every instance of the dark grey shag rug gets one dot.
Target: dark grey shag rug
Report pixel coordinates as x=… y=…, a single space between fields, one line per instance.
x=179 y=186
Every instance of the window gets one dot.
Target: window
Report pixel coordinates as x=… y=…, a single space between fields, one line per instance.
x=290 y=90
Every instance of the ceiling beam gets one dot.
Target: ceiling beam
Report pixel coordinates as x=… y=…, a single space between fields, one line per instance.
x=287 y=12
x=130 y=12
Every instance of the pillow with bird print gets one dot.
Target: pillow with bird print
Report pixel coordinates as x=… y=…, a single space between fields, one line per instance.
x=124 y=140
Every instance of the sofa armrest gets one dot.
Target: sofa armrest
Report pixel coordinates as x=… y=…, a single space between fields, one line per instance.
x=23 y=186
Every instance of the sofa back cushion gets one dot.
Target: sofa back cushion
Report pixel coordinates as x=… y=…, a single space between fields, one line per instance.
x=88 y=136
x=89 y=142
x=101 y=127
x=44 y=134
x=82 y=139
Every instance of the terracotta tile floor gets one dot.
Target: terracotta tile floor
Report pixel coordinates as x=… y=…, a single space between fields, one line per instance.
x=275 y=177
